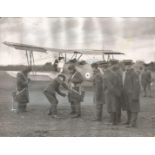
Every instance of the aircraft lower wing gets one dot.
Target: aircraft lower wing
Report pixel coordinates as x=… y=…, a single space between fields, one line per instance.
x=38 y=76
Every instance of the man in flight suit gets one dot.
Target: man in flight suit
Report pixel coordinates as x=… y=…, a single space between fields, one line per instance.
x=74 y=83
x=50 y=93
x=22 y=89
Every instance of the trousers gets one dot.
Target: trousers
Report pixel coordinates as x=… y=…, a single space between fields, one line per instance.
x=132 y=118
x=99 y=111
x=118 y=112
x=76 y=108
x=21 y=107
x=113 y=118
x=53 y=101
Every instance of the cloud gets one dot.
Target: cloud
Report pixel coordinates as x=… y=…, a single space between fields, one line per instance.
x=130 y=35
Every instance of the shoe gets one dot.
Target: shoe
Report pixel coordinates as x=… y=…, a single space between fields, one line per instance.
x=107 y=123
x=125 y=123
x=119 y=121
x=97 y=120
x=76 y=116
x=72 y=113
x=134 y=125
x=114 y=123
x=131 y=126
x=56 y=116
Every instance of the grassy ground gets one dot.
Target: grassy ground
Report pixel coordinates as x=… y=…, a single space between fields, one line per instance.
x=36 y=122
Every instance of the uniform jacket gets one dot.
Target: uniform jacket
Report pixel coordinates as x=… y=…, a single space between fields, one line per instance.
x=75 y=82
x=145 y=78
x=98 y=88
x=53 y=88
x=22 y=88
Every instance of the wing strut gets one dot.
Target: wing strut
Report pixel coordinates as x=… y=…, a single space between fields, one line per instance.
x=30 y=58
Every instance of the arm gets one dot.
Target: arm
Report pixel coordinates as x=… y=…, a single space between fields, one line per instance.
x=136 y=86
x=59 y=92
x=65 y=85
x=99 y=86
x=21 y=81
x=77 y=78
x=150 y=77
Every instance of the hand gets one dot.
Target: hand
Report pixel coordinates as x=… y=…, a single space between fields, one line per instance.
x=44 y=91
x=64 y=95
x=29 y=80
x=65 y=85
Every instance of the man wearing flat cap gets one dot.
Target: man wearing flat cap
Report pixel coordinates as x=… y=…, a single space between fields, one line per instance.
x=74 y=95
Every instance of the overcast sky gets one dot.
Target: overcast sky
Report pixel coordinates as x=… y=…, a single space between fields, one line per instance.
x=133 y=36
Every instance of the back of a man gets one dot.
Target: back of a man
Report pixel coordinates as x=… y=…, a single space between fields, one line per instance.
x=119 y=86
x=146 y=81
x=111 y=93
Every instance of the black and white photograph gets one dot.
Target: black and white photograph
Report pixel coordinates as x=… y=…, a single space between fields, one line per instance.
x=77 y=76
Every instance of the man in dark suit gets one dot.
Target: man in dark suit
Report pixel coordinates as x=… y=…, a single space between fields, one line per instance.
x=131 y=93
x=98 y=86
x=75 y=92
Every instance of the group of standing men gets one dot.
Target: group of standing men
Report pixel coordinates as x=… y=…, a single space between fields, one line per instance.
x=72 y=85
x=117 y=86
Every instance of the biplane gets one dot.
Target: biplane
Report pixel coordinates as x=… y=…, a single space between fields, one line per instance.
x=82 y=66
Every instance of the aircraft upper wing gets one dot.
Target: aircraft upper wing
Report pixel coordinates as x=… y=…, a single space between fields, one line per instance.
x=45 y=49
x=20 y=46
x=25 y=47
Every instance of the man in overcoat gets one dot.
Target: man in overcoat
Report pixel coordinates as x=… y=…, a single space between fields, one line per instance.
x=98 y=87
x=131 y=92
x=119 y=86
x=111 y=93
